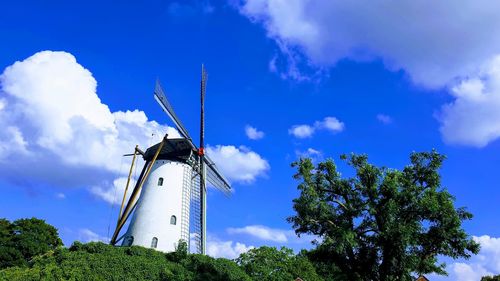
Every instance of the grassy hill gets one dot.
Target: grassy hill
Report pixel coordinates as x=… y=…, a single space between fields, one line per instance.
x=31 y=249
x=99 y=261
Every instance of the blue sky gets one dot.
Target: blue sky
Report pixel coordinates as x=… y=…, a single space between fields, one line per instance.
x=389 y=79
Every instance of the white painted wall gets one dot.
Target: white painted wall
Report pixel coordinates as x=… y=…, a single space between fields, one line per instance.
x=156 y=205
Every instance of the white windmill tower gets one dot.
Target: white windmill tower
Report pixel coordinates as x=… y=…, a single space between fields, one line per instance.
x=168 y=201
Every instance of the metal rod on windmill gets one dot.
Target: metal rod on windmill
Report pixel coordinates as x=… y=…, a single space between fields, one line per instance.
x=203 y=190
x=171 y=185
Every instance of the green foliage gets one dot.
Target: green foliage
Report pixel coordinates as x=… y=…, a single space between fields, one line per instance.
x=491 y=278
x=381 y=224
x=38 y=242
x=98 y=261
x=270 y=264
x=181 y=252
x=210 y=269
x=24 y=239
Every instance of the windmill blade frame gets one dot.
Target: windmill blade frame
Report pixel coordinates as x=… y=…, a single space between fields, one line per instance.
x=215 y=178
x=162 y=100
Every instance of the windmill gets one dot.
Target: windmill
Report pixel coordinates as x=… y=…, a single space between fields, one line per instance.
x=168 y=201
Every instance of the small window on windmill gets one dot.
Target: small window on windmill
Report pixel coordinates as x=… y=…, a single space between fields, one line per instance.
x=160 y=181
x=173 y=220
x=154 y=242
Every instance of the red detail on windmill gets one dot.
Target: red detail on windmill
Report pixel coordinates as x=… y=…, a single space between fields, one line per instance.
x=201 y=151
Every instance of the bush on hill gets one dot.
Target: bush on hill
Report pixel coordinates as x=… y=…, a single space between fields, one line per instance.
x=491 y=278
x=99 y=261
x=269 y=263
x=24 y=239
x=31 y=250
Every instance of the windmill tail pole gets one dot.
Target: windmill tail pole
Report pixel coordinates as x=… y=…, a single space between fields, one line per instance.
x=128 y=182
x=137 y=189
x=201 y=152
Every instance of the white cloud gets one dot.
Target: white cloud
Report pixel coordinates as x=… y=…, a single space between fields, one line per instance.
x=446 y=46
x=384 y=119
x=272 y=65
x=331 y=124
x=269 y=234
x=86 y=235
x=56 y=124
x=3 y=103
x=225 y=249
x=435 y=42
x=465 y=272
x=60 y=195
x=473 y=118
x=252 y=133
x=301 y=131
x=489 y=256
x=113 y=193
x=261 y=232
x=312 y=153
x=487 y=262
x=238 y=163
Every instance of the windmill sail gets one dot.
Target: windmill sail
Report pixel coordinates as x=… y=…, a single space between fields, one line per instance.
x=215 y=178
x=167 y=107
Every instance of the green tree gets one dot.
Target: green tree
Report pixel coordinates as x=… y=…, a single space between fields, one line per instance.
x=9 y=254
x=491 y=278
x=24 y=239
x=181 y=252
x=270 y=264
x=206 y=268
x=380 y=224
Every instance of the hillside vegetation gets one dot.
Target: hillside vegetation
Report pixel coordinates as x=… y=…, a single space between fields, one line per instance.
x=380 y=224
x=99 y=261
x=36 y=253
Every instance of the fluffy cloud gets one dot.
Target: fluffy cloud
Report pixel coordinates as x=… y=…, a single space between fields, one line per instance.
x=301 y=131
x=238 y=163
x=261 y=232
x=487 y=262
x=489 y=257
x=86 y=235
x=473 y=118
x=56 y=124
x=438 y=44
x=433 y=45
x=273 y=235
x=312 y=153
x=225 y=249
x=384 y=119
x=60 y=195
x=252 y=133
x=113 y=193
x=331 y=124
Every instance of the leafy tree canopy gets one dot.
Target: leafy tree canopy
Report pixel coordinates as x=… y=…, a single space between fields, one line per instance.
x=24 y=239
x=491 y=278
x=380 y=224
x=269 y=264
